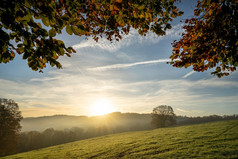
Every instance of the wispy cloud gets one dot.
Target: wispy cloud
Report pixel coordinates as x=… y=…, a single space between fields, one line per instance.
x=61 y=96
x=129 y=40
x=189 y=74
x=182 y=110
x=117 y=66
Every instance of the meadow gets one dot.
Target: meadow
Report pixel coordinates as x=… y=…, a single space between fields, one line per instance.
x=209 y=140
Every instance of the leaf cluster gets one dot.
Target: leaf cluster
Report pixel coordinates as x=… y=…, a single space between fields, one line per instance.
x=210 y=38
x=22 y=31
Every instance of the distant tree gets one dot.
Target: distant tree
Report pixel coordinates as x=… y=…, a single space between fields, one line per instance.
x=10 y=118
x=210 y=38
x=163 y=116
x=196 y=120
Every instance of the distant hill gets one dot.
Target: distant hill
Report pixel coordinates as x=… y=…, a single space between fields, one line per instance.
x=210 y=140
x=124 y=121
x=61 y=122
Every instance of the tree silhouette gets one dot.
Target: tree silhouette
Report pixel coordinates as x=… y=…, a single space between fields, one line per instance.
x=10 y=118
x=163 y=116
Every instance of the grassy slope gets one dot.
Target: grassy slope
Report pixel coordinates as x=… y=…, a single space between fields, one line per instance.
x=210 y=140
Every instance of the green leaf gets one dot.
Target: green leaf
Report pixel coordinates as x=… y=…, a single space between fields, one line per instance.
x=52 y=32
x=13 y=34
x=78 y=30
x=60 y=42
x=44 y=60
x=46 y=21
x=69 y=30
x=26 y=18
x=20 y=45
x=69 y=50
x=61 y=51
x=75 y=30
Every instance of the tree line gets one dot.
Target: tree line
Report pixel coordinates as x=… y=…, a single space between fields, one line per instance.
x=32 y=140
x=184 y=120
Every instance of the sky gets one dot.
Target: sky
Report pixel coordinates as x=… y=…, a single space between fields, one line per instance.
x=127 y=76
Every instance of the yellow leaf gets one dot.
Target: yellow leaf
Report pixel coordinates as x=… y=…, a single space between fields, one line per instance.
x=210 y=12
x=111 y=7
x=12 y=54
x=39 y=24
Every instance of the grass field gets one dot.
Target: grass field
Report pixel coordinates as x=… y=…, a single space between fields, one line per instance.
x=210 y=140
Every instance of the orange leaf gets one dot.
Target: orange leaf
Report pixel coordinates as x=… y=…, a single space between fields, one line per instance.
x=118 y=1
x=115 y=8
x=113 y=12
x=111 y=7
x=210 y=12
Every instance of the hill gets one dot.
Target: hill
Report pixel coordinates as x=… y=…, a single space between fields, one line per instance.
x=115 y=120
x=61 y=122
x=210 y=140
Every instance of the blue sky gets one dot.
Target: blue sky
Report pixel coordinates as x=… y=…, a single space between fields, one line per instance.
x=131 y=75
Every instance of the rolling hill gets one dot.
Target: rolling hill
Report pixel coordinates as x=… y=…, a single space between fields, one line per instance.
x=61 y=122
x=209 y=140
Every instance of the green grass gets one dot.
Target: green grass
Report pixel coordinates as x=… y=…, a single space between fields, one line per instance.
x=210 y=140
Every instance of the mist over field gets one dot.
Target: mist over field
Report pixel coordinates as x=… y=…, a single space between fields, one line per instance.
x=124 y=121
x=61 y=122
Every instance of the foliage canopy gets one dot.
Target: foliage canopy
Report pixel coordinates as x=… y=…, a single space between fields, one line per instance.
x=210 y=38
x=20 y=22
x=209 y=41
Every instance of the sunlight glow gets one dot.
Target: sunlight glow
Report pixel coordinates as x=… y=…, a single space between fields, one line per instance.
x=101 y=107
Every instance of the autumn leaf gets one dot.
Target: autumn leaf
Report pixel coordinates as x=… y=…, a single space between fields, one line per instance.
x=118 y=1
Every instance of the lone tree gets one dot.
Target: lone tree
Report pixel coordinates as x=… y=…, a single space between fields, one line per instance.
x=10 y=118
x=163 y=116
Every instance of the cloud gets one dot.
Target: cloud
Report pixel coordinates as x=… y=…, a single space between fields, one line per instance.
x=131 y=39
x=182 y=110
x=74 y=93
x=44 y=79
x=189 y=74
x=117 y=66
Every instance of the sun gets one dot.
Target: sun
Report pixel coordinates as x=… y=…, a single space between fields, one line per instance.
x=101 y=107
